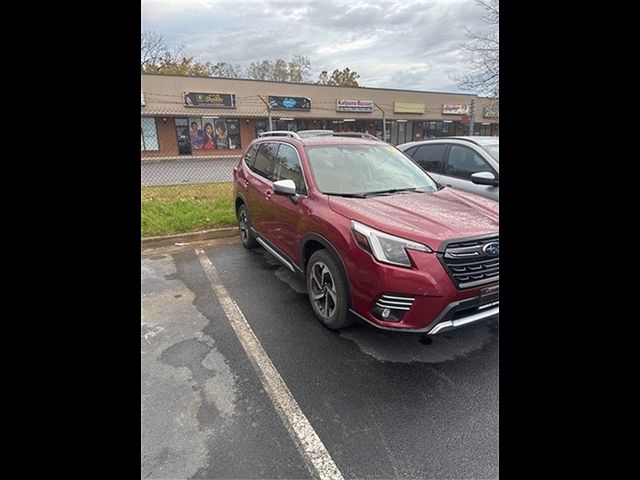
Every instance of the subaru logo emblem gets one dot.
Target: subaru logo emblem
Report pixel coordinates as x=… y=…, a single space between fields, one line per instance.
x=491 y=249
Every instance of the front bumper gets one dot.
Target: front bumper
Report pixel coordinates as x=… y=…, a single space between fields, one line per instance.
x=455 y=315
x=422 y=299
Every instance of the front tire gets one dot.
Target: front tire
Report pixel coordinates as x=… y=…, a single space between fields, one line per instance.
x=328 y=291
x=244 y=222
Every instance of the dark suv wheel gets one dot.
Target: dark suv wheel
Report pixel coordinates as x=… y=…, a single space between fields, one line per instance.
x=244 y=222
x=327 y=290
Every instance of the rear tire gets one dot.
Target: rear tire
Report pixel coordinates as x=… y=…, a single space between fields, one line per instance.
x=328 y=291
x=244 y=222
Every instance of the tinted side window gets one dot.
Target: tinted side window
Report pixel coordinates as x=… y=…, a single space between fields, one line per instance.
x=431 y=157
x=463 y=162
x=410 y=151
x=250 y=156
x=265 y=160
x=288 y=167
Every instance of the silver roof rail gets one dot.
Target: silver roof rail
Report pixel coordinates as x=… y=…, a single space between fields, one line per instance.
x=356 y=134
x=280 y=133
x=315 y=133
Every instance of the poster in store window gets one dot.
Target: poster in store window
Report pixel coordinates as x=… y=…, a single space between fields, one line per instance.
x=222 y=135
x=196 y=133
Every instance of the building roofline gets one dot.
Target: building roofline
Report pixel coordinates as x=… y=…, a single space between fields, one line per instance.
x=313 y=84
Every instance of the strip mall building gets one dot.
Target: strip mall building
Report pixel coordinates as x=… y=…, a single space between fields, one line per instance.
x=196 y=116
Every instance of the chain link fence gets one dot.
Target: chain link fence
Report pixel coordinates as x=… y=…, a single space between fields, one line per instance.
x=186 y=172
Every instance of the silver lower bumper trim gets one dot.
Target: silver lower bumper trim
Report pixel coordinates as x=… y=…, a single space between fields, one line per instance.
x=439 y=327
x=451 y=324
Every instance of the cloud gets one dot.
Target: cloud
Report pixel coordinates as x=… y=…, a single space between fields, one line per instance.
x=391 y=44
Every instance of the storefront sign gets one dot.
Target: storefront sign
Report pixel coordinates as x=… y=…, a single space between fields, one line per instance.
x=491 y=112
x=210 y=100
x=354 y=106
x=455 y=109
x=408 y=107
x=289 y=103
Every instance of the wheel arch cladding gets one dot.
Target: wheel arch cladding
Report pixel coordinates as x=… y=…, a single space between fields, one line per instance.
x=311 y=243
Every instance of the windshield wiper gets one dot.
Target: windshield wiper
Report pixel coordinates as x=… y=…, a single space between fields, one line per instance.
x=392 y=190
x=348 y=195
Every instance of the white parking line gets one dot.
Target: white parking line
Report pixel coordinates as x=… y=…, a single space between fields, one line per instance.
x=311 y=448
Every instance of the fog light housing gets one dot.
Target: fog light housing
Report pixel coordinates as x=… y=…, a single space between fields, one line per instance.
x=392 y=307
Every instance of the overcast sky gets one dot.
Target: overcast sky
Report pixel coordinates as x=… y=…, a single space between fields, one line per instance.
x=411 y=45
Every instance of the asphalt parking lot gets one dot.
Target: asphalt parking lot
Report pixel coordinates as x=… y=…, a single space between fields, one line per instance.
x=381 y=405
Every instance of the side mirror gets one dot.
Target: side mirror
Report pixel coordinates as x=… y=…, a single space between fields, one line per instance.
x=284 y=187
x=485 y=178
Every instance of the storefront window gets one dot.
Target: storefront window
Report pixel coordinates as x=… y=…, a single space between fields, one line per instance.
x=401 y=132
x=291 y=125
x=355 y=126
x=379 y=130
x=205 y=133
x=439 y=128
x=261 y=126
x=482 y=129
x=148 y=134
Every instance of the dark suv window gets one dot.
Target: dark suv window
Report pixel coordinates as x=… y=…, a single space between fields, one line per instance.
x=265 y=160
x=430 y=157
x=250 y=156
x=463 y=162
x=288 y=167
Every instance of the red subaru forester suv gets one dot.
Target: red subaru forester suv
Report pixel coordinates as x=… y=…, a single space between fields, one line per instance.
x=376 y=238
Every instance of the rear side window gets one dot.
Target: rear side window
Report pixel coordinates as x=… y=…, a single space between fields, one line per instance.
x=288 y=168
x=250 y=156
x=264 y=164
x=431 y=157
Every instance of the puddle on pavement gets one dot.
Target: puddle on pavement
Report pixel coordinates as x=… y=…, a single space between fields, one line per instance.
x=406 y=348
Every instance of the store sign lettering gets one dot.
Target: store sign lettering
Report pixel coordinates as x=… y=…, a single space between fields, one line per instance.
x=455 y=109
x=289 y=103
x=209 y=100
x=354 y=105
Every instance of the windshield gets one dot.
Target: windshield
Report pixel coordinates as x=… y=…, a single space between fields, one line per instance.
x=364 y=170
x=494 y=151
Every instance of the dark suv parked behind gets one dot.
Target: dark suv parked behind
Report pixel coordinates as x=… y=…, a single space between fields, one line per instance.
x=374 y=235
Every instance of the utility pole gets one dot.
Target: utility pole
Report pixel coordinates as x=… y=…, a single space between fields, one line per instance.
x=472 y=114
x=268 y=111
x=384 y=123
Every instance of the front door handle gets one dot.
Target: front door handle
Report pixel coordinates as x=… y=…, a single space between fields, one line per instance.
x=267 y=194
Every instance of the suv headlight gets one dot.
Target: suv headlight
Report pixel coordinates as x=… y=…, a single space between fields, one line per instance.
x=384 y=247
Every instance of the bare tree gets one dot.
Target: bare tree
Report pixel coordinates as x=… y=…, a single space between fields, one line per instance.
x=296 y=70
x=152 y=47
x=299 y=67
x=483 y=49
x=155 y=55
x=323 y=78
x=225 y=70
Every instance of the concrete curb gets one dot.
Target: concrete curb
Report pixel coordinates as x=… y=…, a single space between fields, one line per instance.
x=165 y=240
